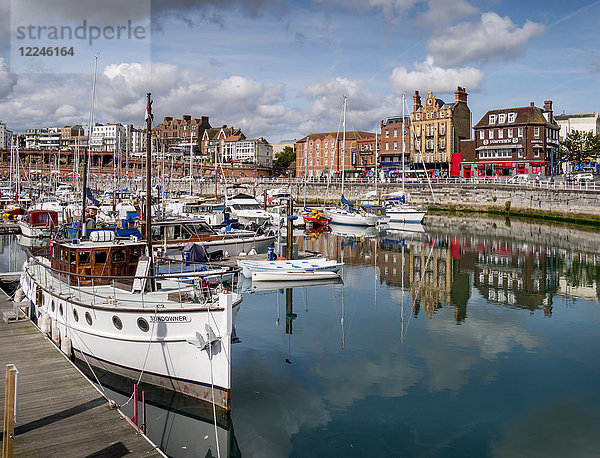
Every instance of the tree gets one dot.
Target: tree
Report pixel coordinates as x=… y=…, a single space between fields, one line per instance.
x=284 y=158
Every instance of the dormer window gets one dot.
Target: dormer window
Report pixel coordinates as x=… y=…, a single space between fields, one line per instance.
x=502 y=118
x=492 y=119
x=511 y=117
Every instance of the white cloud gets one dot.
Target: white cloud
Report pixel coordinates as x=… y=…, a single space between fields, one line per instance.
x=442 y=12
x=492 y=38
x=7 y=79
x=365 y=109
x=429 y=76
x=393 y=10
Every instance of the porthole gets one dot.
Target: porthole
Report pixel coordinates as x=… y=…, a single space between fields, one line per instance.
x=143 y=325
x=117 y=322
x=88 y=318
x=53 y=306
x=75 y=315
x=60 y=309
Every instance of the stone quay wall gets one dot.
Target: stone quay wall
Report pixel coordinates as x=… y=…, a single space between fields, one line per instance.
x=567 y=201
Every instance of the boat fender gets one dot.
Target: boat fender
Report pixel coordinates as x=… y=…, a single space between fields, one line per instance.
x=19 y=295
x=55 y=332
x=242 y=253
x=66 y=347
x=45 y=324
x=252 y=252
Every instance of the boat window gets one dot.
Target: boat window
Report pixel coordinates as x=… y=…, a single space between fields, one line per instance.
x=53 y=306
x=118 y=256
x=200 y=228
x=117 y=322
x=100 y=257
x=143 y=325
x=75 y=315
x=60 y=309
x=84 y=257
x=73 y=257
x=134 y=254
x=88 y=318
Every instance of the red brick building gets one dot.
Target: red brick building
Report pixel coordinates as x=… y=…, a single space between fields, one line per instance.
x=174 y=132
x=512 y=141
x=320 y=154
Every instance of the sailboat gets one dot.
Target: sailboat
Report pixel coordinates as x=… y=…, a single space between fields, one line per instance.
x=102 y=301
x=347 y=214
x=397 y=210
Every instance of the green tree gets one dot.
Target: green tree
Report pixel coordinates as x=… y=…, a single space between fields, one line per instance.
x=578 y=145
x=284 y=158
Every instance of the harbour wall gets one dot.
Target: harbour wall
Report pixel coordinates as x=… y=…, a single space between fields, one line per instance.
x=566 y=201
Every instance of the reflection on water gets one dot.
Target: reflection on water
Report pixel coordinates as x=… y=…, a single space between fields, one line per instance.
x=465 y=336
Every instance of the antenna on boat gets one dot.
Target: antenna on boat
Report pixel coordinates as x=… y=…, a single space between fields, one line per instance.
x=149 y=117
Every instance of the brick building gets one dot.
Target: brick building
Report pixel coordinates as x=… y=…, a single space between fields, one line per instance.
x=437 y=129
x=320 y=154
x=393 y=146
x=214 y=140
x=175 y=132
x=512 y=141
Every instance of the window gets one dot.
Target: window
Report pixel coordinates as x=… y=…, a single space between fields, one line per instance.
x=134 y=254
x=492 y=119
x=418 y=131
x=84 y=257
x=395 y=132
x=395 y=145
x=387 y=134
x=481 y=134
x=443 y=128
x=75 y=315
x=143 y=325
x=387 y=146
x=502 y=118
x=325 y=161
x=318 y=162
x=88 y=318
x=520 y=132
x=118 y=256
x=509 y=133
x=117 y=322
x=418 y=116
x=536 y=131
x=490 y=134
x=442 y=143
x=511 y=117
x=500 y=133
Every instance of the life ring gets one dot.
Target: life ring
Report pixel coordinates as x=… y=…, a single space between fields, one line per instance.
x=5 y=216
x=362 y=213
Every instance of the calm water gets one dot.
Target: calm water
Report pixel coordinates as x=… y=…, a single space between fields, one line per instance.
x=475 y=337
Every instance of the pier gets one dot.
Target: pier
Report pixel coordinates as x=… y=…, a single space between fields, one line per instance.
x=60 y=413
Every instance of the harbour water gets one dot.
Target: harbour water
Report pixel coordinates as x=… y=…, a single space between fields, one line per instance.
x=464 y=337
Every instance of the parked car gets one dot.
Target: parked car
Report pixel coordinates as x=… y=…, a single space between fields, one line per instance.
x=583 y=177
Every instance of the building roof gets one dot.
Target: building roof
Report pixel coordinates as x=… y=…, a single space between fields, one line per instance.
x=524 y=116
x=564 y=117
x=350 y=135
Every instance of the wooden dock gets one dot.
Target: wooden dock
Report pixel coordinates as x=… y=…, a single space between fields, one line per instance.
x=60 y=413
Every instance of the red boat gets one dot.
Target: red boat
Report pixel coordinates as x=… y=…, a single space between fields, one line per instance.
x=316 y=218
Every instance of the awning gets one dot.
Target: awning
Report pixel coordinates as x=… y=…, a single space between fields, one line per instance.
x=488 y=147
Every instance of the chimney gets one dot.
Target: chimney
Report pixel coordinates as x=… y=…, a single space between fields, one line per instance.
x=416 y=101
x=187 y=118
x=532 y=104
x=548 y=110
x=168 y=119
x=460 y=95
x=204 y=119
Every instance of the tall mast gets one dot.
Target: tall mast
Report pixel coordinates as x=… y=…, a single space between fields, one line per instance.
x=191 y=161
x=403 y=143
x=149 y=117
x=87 y=153
x=343 y=143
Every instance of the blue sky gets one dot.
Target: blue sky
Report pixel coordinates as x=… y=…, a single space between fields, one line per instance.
x=278 y=68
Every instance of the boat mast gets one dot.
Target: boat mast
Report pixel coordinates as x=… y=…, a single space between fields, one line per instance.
x=149 y=117
x=403 y=142
x=191 y=162
x=87 y=153
x=343 y=143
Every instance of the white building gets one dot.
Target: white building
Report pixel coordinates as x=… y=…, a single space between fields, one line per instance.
x=250 y=151
x=109 y=137
x=136 y=139
x=50 y=139
x=581 y=122
x=4 y=136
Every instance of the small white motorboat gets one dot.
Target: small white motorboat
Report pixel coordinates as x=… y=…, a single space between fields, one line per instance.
x=293 y=275
x=293 y=265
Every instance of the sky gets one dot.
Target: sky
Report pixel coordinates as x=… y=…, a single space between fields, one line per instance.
x=279 y=69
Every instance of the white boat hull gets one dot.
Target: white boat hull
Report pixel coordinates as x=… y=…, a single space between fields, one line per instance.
x=162 y=355
x=405 y=216
x=293 y=275
x=33 y=231
x=340 y=216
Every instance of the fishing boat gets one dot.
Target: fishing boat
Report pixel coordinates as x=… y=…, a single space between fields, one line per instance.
x=315 y=218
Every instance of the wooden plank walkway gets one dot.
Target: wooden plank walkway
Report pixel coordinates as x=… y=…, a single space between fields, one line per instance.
x=59 y=412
